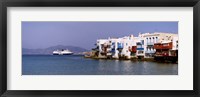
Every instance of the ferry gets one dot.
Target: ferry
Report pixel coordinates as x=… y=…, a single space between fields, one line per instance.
x=62 y=52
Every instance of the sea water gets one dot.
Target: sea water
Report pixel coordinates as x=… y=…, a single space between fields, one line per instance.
x=78 y=65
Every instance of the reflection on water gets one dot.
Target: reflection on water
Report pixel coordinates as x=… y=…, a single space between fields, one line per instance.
x=78 y=65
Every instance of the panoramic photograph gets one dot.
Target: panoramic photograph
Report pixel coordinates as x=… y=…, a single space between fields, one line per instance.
x=99 y=48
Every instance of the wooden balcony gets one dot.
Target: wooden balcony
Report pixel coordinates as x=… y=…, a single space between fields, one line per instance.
x=133 y=49
x=163 y=46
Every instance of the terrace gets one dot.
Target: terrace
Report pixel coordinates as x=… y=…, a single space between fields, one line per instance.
x=163 y=45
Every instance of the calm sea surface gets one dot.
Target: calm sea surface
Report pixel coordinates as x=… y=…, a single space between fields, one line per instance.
x=78 y=65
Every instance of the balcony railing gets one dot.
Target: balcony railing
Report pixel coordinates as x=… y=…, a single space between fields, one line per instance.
x=150 y=52
x=150 y=43
x=163 y=46
x=140 y=48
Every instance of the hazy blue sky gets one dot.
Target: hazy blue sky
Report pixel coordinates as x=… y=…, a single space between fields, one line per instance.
x=85 y=34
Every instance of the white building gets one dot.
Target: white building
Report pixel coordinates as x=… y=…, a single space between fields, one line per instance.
x=140 y=46
x=151 y=38
x=130 y=46
x=116 y=47
x=126 y=43
x=114 y=50
x=101 y=43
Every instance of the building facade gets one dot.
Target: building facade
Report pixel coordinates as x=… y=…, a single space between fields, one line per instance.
x=146 y=45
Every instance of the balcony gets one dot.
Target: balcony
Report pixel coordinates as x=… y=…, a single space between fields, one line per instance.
x=150 y=43
x=120 y=45
x=133 y=49
x=150 y=52
x=140 y=48
x=163 y=46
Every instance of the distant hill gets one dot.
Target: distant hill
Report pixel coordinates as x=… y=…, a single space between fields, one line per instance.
x=49 y=50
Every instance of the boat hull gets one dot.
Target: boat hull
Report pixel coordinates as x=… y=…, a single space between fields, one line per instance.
x=68 y=54
x=64 y=54
x=55 y=54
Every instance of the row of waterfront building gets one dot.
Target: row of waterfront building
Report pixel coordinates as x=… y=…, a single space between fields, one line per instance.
x=147 y=45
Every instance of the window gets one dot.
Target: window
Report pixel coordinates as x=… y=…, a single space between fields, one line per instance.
x=142 y=41
x=113 y=43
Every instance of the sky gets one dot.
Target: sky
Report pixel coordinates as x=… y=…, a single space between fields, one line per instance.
x=84 y=34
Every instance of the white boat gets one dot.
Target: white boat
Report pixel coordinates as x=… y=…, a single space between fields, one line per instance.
x=62 y=52
x=57 y=52
x=66 y=52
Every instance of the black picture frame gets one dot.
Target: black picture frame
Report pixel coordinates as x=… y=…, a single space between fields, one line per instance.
x=98 y=3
